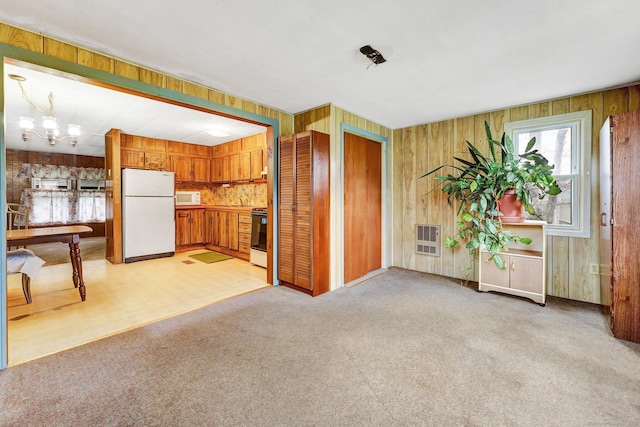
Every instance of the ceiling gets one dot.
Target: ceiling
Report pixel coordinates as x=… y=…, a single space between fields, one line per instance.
x=98 y=109
x=445 y=59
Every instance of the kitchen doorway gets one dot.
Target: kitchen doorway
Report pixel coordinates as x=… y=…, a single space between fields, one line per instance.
x=114 y=273
x=362 y=206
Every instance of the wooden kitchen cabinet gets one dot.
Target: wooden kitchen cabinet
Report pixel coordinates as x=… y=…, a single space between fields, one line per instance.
x=191 y=169
x=244 y=232
x=525 y=265
x=303 y=210
x=212 y=227
x=190 y=227
x=257 y=164
x=229 y=231
x=619 y=246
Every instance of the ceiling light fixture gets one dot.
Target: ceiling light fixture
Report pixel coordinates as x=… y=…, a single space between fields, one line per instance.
x=51 y=129
x=218 y=133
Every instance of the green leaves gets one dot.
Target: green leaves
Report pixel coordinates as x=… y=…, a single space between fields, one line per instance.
x=477 y=181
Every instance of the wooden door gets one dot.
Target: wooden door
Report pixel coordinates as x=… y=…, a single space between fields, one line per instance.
x=302 y=207
x=198 y=226
x=216 y=169
x=211 y=218
x=233 y=231
x=245 y=166
x=183 y=227
x=182 y=167
x=201 y=169
x=223 y=222
x=234 y=167
x=625 y=267
x=286 y=200
x=362 y=206
x=257 y=164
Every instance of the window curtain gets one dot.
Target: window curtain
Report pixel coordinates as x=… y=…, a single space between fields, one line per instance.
x=35 y=170
x=62 y=207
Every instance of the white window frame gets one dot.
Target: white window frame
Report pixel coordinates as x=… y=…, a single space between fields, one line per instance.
x=580 y=147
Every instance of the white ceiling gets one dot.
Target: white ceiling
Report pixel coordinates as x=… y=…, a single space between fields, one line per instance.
x=446 y=59
x=97 y=109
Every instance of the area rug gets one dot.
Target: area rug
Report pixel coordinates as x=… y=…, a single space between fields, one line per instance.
x=210 y=257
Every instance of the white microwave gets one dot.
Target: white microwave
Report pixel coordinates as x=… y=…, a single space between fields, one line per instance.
x=187 y=198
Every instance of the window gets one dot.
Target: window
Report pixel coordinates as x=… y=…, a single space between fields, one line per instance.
x=566 y=141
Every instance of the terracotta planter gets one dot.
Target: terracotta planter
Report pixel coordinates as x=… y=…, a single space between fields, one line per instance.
x=511 y=208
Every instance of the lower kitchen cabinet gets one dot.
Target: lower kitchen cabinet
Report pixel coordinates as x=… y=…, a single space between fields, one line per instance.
x=229 y=231
x=190 y=227
x=525 y=265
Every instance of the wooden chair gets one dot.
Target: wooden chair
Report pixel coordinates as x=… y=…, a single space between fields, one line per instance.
x=17 y=217
x=28 y=264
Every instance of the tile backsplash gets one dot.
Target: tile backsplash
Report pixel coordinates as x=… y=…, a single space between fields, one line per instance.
x=245 y=194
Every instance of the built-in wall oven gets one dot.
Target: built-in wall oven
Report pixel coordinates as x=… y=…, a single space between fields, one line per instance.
x=258 y=251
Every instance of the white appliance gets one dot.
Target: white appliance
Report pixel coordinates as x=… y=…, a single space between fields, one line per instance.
x=148 y=214
x=187 y=198
x=50 y=184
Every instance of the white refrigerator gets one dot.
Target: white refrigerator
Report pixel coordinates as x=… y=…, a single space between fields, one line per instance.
x=148 y=214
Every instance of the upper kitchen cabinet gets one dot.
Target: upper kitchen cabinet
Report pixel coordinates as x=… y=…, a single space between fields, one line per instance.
x=241 y=160
x=190 y=162
x=142 y=152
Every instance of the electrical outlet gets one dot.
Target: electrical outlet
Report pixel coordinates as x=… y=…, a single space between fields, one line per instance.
x=594 y=268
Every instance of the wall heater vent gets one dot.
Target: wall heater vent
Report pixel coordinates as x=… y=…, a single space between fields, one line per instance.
x=428 y=239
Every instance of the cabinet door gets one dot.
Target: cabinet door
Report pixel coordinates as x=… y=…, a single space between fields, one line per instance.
x=525 y=273
x=303 y=236
x=212 y=237
x=234 y=167
x=226 y=169
x=286 y=218
x=491 y=274
x=198 y=227
x=201 y=169
x=182 y=168
x=233 y=231
x=223 y=218
x=155 y=161
x=131 y=158
x=257 y=159
x=183 y=227
x=216 y=169
x=245 y=166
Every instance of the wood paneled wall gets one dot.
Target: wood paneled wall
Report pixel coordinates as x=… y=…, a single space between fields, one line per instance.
x=15 y=158
x=39 y=43
x=328 y=119
x=419 y=149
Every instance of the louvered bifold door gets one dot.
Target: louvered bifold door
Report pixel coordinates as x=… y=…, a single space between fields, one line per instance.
x=303 y=236
x=286 y=209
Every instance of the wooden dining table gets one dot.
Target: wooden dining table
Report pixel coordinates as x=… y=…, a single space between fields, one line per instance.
x=66 y=234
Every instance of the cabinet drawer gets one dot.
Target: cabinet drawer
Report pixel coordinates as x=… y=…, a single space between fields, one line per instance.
x=244 y=218
x=243 y=227
x=244 y=248
x=245 y=238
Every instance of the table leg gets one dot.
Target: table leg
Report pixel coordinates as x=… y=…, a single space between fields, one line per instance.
x=76 y=264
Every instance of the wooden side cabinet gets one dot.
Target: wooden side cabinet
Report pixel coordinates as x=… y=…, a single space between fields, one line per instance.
x=525 y=265
x=619 y=244
x=303 y=209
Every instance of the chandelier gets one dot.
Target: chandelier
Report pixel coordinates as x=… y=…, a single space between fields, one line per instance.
x=51 y=129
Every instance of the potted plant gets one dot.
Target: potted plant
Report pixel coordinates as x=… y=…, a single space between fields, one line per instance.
x=480 y=184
